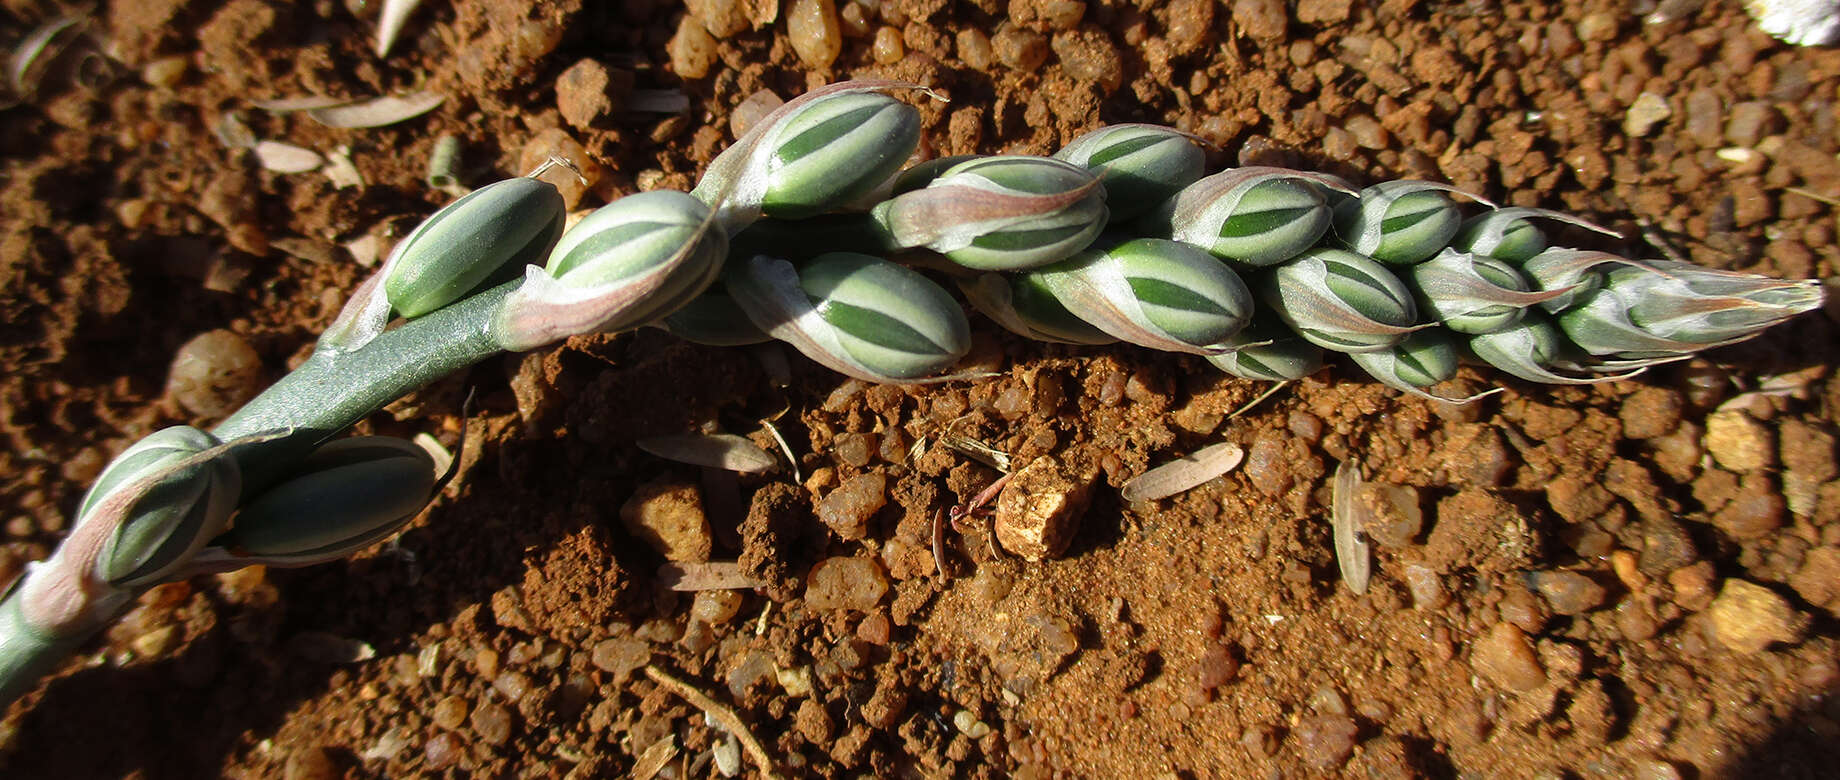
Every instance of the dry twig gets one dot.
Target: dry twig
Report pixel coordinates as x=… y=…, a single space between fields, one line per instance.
x=718 y=712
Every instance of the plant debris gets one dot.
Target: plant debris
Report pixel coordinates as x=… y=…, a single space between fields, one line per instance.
x=376 y=112
x=722 y=715
x=1184 y=473
x=287 y=158
x=724 y=451
x=1347 y=517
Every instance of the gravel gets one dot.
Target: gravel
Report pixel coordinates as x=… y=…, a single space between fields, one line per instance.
x=1749 y=618
x=214 y=373
x=845 y=583
x=847 y=510
x=669 y=517
x=1504 y=657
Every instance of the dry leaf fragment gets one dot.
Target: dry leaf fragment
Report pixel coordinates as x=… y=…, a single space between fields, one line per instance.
x=287 y=158
x=1184 y=473
x=377 y=112
x=323 y=647
x=707 y=575
x=724 y=451
x=390 y=23
x=284 y=105
x=20 y=73
x=1346 y=519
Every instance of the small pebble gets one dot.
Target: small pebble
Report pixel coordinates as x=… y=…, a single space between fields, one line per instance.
x=450 y=712
x=214 y=373
x=974 y=49
x=557 y=142
x=1648 y=110
x=1568 y=592
x=1739 y=442
x=1392 y=515
x=847 y=510
x=1748 y=618
x=622 y=656
x=845 y=583
x=584 y=93
x=669 y=517
x=1218 y=667
x=1651 y=412
x=441 y=751
x=1039 y=511
x=692 y=49
x=1756 y=510
x=311 y=763
x=1267 y=465
x=1326 y=740
x=1749 y=121
x=492 y=723
x=749 y=112
x=1262 y=19
x=1504 y=657
x=1089 y=56
x=715 y=607
x=815 y=33
x=853 y=449
x=888 y=48
x=1426 y=587
x=1019 y=48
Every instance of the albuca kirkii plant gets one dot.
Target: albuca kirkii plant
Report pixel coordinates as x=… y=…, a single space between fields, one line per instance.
x=808 y=231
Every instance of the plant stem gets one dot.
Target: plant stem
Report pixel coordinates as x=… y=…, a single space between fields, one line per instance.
x=332 y=391
x=26 y=655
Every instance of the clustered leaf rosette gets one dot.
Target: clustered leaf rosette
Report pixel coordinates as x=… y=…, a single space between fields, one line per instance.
x=1022 y=303
x=858 y=315
x=1253 y=216
x=1533 y=349
x=1473 y=294
x=628 y=264
x=1413 y=366
x=1400 y=222
x=1266 y=350
x=346 y=496
x=1005 y=213
x=153 y=508
x=714 y=319
x=1341 y=301
x=1152 y=292
x=467 y=244
x=1510 y=233
x=1139 y=165
x=833 y=147
x=1647 y=311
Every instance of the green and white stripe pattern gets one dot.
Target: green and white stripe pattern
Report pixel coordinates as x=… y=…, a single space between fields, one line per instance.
x=1000 y=213
x=349 y=494
x=1140 y=165
x=1253 y=216
x=861 y=316
x=1342 y=301
x=1472 y=294
x=1267 y=350
x=1154 y=293
x=629 y=263
x=1399 y=222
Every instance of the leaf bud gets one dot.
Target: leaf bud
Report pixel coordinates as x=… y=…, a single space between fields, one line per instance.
x=347 y=495
x=858 y=315
x=1140 y=165
x=1473 y=294
x=629 y=263
x=1252 y=216
x=165 y=496
x=1532 y=349
x=1341 y=301
x=1154 y=293
x=1001 y=213
x=1510 y=234
x=1022 y=303
x=714 y=319
x=1400 y=222
x=509 y=223
x=1267 y=350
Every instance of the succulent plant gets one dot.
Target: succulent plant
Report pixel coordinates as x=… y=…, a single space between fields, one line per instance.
x=1400 y=222
x=1424 y=359
x=1141 y=166
x=1341 y=301
x=346 y=496
x=1000 y=213
x=1252 y=216
x=1510 y=233
x=633 y=261
x=861 y=316
x=1153 y=293
x=1471 y=294
x=1267 y=350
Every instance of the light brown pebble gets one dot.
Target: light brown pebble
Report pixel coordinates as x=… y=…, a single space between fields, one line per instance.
x=1817 y=582
x=1089 y=56
x=558 y=143
x=1749 y=618
x=311 y=763
x=1326 y=741
x=441 y=751
x=214 y=373
x=845 y=583
x=669 y=517
x=1426 y=587
x=1268 y=467
x=584 y=93
x=814 y=31
x=722 y=18
x=692 y=49
x=1262 y=19
x=1039 y=511
x=974 y=49
x=450 y=712
x=716 y=607
x=1755 y=511
x=1651 y=412
x=1019 y=48
x=888 y=48
x=1739 y=442
x=1218 y=666
x=847 y=510
x=1504 y=657
x=1568 y=592
x=492 y=723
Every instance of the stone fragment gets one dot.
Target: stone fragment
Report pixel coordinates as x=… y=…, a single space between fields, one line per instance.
x=1568 y=592
x=669 y=517
x=1326 y=741
x=1748 y=618
x=1039 y=511
x=1651 y=412
x=1504 y=657
x=1739 y=442
x=1648 y=110
x=1755 y=511
x=814 y=31
x=585 y=93
x=692 y=49
x=845 y=583
x=214 y=373
x=847 y=510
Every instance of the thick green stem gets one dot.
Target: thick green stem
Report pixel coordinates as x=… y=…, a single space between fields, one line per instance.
x=26 y=655
x=330 y=392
